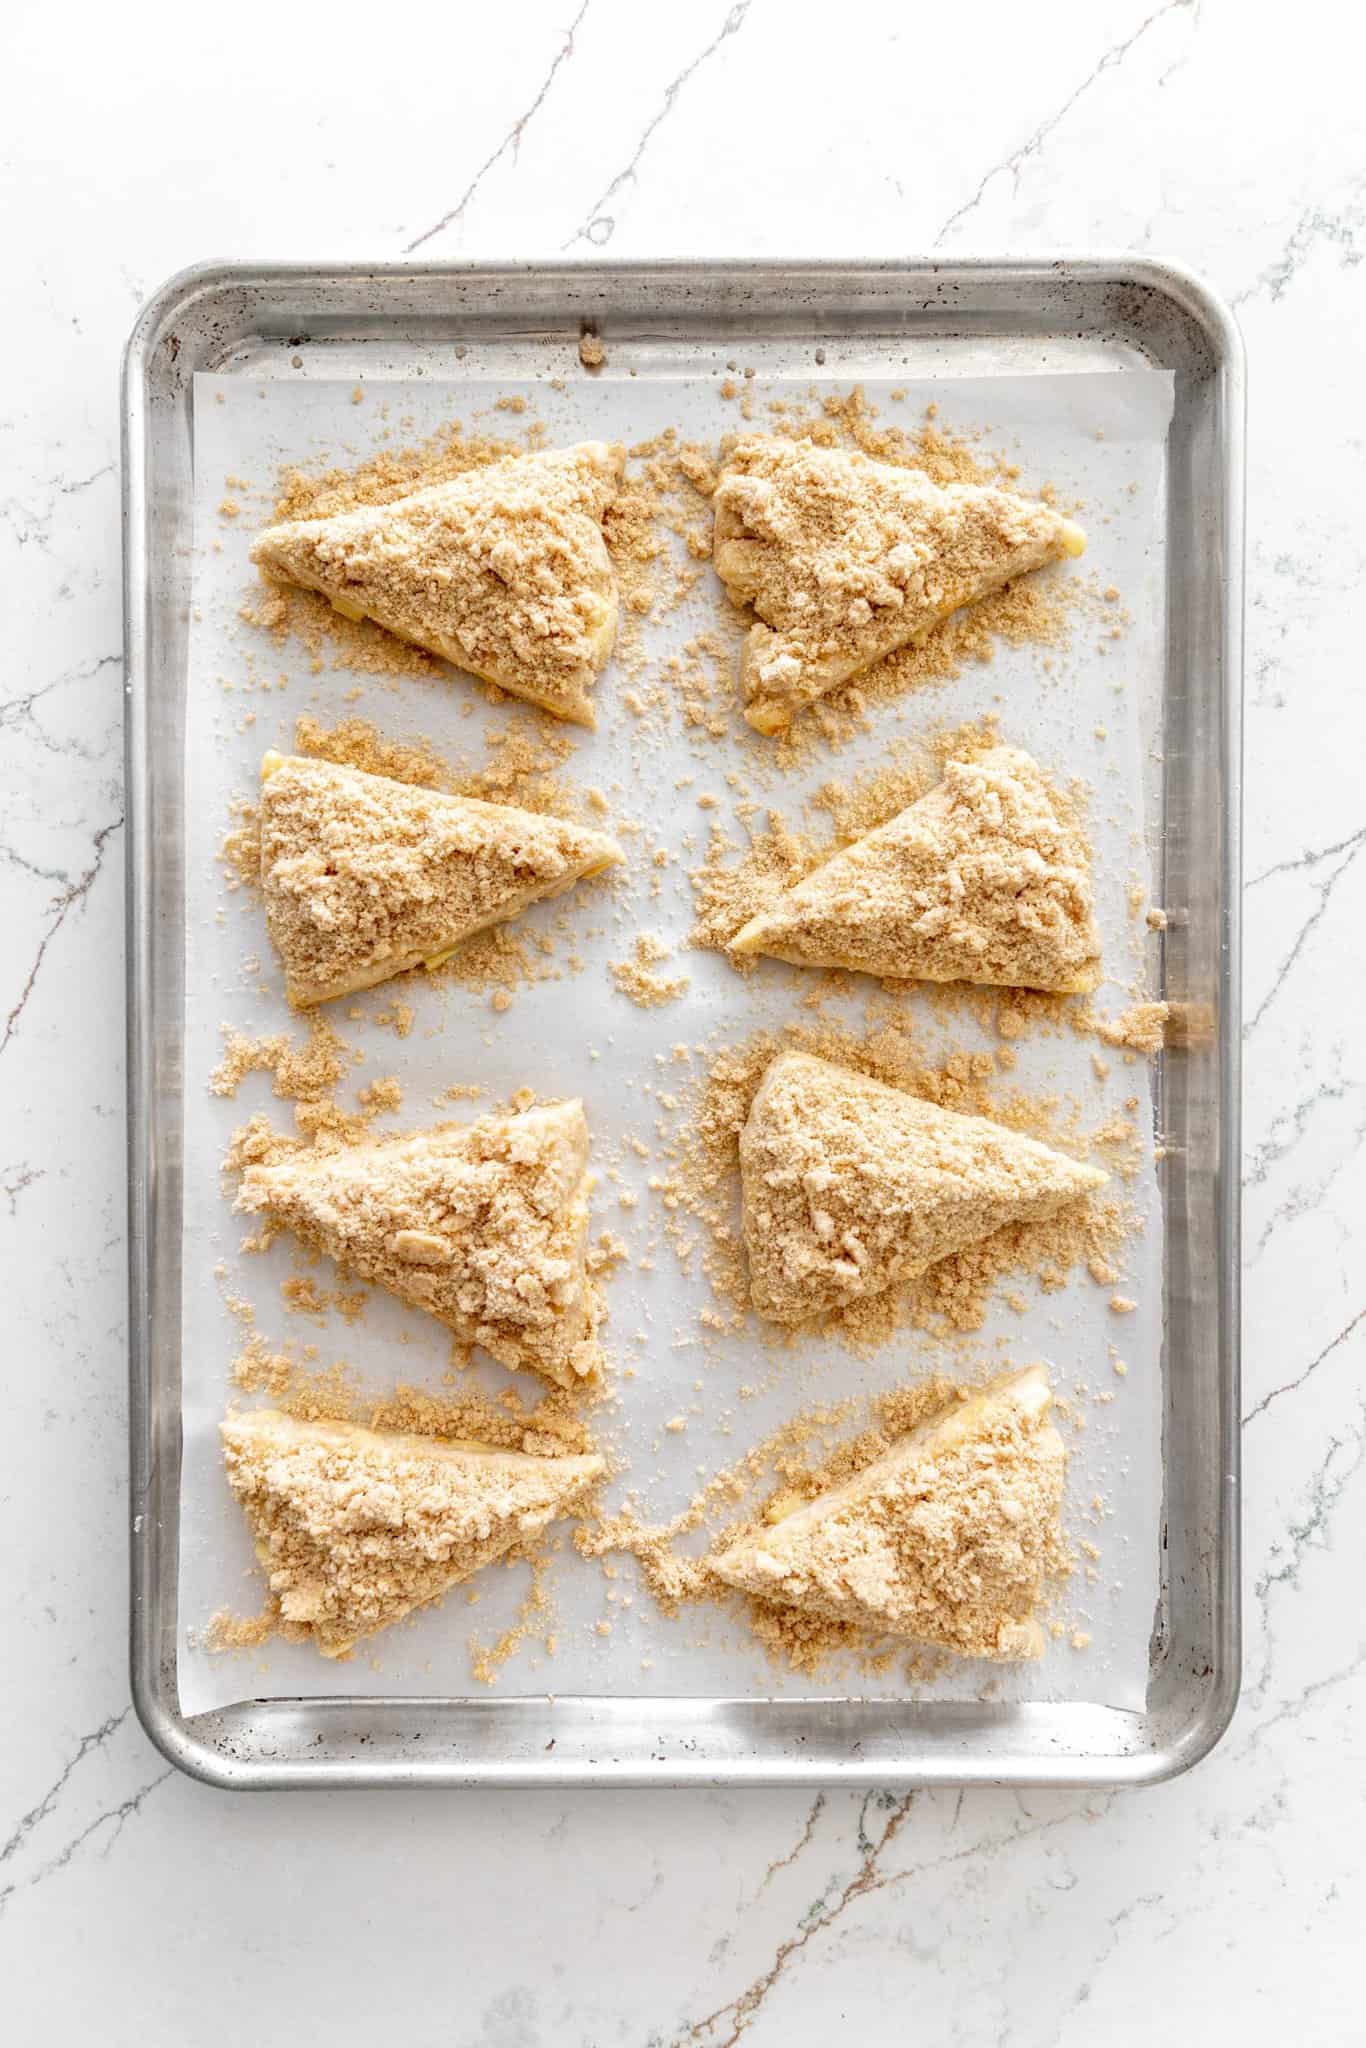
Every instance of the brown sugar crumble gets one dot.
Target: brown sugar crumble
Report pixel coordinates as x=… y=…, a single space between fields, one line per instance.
x=730 y=892
x=284 y=609
x=951 y=1298
x=739 y=877
x=535 y=1616
x=851 y=1186
x=304 y=1073
x=637 y=979
x=548 y=1425
x=498 y=568
x=844 y=559
x=1032 y=610
x=1141 y=1028
x=359 y=1528
x=522 y=767
x=795 y=1466
x=240 y=848
x=947 y=1537
x=548 y=1428
x=984 y=878
x=365 y=877
x=484 y=1226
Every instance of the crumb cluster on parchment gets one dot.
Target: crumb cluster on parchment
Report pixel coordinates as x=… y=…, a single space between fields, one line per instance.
x=700 y=1188
x=306 y=1072
x=549 y=1425
x=638 y=979
x=1140 y=1028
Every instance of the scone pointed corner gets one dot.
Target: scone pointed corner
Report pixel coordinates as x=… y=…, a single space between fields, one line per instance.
x=754 y=936
x=850 y=1187
x=357 y=1527
x=482 y=1225
x=501 y=570
x=365 y=877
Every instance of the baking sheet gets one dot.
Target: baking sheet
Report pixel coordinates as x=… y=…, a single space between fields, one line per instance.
x=1099 y=438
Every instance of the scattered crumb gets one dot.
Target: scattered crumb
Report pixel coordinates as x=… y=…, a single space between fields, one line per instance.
x=534 y=1616
x=304 y=1073
x=1141 y=1028
x=636 y=977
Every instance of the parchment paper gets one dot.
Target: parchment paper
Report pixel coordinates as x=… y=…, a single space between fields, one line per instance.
x=1099 y=438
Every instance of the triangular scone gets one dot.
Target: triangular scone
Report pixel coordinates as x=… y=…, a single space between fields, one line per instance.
x=357 y=1527
x=484 y=1225
x=365 y=877
x=984 y=879
x=850 y=1186
x=502 y=570
x=845 y=559
x=947 y=1538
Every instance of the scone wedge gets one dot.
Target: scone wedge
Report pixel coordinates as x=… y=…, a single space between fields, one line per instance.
x=850 y=1187
x=483 y=1225
x=502 y=570
x=365 y=877
x=948 y=1538
x=845 y=559
x=985 y=879
x=356 y=1527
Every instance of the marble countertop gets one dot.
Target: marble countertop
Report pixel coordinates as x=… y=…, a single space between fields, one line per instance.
x=134 y=1902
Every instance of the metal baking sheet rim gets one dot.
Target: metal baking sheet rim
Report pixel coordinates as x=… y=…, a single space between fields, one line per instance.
x=596 y=1741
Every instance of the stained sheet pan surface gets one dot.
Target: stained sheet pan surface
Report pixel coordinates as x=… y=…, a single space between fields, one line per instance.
x=988 y=342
